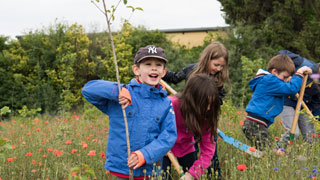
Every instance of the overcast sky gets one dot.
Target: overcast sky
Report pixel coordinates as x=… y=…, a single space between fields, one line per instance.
x=19 y=16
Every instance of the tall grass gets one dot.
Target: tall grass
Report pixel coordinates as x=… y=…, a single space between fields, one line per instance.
x=74 y=145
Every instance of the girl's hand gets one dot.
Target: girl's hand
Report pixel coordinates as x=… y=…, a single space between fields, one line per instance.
x=124 y=102
x=187 y=176
x=133 y=161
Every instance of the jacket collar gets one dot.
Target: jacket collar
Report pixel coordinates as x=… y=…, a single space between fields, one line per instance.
x=147 y=90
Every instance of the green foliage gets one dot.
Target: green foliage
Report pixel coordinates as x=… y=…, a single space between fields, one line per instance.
x=25 y=112
x=82 y=172
x=249 y=68
x=4 y=110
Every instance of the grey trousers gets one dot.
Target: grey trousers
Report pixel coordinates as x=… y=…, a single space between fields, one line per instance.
x=304 y=125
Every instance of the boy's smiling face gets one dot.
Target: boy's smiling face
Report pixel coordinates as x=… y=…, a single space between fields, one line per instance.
x=150 y=71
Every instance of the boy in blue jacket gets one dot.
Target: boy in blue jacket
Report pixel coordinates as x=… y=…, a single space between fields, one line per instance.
x=151 y=120
x=269 y=89
x=311 y=98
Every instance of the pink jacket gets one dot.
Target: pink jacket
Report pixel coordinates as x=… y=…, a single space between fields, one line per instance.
x=185 y=143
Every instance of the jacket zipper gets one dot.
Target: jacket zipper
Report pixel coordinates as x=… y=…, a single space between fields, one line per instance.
x=270 y=109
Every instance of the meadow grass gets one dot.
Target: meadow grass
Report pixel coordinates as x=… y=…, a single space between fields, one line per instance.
x=74 y=146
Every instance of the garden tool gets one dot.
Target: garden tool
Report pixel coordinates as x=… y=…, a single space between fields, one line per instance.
x=306 y=108
x=298 y=107
x=230 y=140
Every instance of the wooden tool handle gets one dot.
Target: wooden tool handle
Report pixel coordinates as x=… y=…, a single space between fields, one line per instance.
x=306 y=108
x=172 y=91
x=175 y=163
x=298 y=107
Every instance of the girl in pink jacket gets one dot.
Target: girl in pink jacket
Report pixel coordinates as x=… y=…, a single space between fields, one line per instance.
x=196 y=109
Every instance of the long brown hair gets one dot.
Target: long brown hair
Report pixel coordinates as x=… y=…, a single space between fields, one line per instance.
x=213 y=51
x=200 y=105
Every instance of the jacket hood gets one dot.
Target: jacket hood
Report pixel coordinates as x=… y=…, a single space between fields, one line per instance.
x=257 y=78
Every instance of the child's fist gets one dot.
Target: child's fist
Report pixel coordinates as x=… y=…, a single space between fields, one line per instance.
x=304 y=70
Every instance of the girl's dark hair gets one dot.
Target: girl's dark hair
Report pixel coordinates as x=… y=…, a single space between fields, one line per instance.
x=200 y=105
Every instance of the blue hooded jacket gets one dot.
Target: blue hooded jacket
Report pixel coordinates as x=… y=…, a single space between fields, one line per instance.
x=268 y=94
x=151 y=123
x=312 y=92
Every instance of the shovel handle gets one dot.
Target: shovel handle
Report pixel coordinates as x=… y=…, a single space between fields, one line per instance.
x=298 y=107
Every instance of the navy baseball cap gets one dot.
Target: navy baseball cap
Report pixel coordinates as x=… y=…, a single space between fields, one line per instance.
x=150 y=51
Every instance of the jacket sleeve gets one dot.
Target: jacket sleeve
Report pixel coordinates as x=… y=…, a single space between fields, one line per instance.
x=100 y=92
x=276 y=87
x=176 y=77
x=221 y=95
x=155 y=150
x=207 y=149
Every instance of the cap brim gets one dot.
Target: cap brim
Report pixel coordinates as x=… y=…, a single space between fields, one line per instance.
x=158 y=57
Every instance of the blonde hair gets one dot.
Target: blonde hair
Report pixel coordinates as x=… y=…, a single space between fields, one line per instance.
x=213 y=51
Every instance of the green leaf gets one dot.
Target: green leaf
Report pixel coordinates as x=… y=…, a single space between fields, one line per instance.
x=139 y=8
x=131 y=7
x=91 y=172
x=7 y=146
x=2 y=142
x=125 y=2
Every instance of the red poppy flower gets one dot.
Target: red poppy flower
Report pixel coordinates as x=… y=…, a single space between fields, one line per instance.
x=50 y=149
x=57 y=152
x=38 y=129
x=10 y=159
x=74 y=151
x=313 y=135
x=84 y=145
x=241 y=167
x=241 y=122
x=44 y=156
x=28 y=134
x=102 y=155
x=68 y=142
x=252 y=149
x=92 y=153
x=29 y=154
x=277 y=138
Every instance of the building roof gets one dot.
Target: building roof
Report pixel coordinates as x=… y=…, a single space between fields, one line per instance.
x=200 y=29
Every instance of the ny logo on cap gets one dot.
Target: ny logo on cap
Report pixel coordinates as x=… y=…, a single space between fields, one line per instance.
x=152 y=49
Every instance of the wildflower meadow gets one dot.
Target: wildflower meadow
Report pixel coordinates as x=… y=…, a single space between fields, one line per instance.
x=73 y=145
